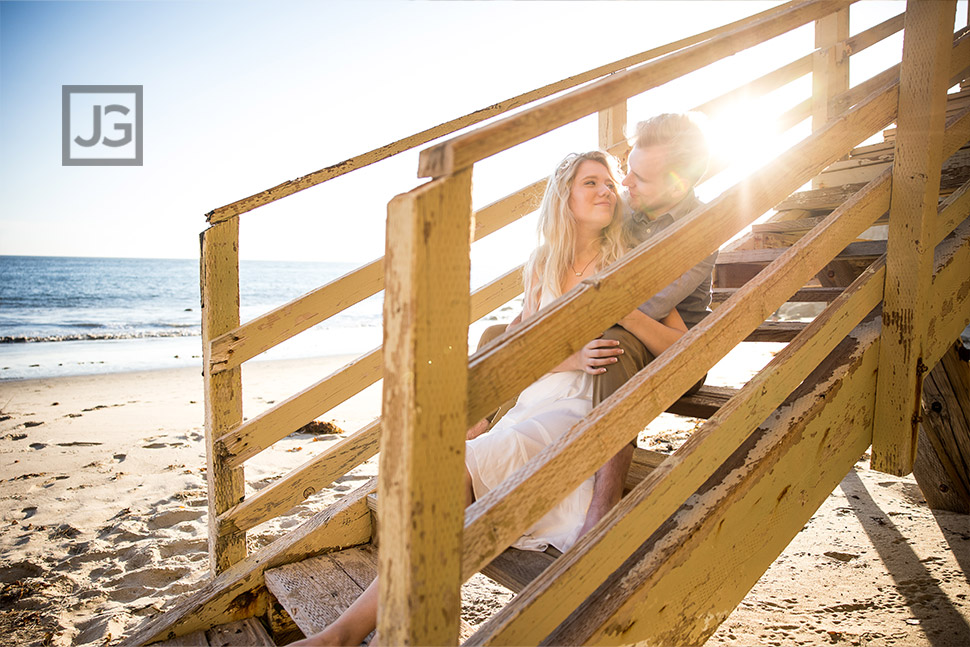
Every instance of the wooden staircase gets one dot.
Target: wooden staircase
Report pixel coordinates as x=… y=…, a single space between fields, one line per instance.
x=695 y=531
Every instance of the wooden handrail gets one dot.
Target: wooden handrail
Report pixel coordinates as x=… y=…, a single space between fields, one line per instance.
x=258 y=335
x=389 y=150
x=464 y=150
x=259 y=432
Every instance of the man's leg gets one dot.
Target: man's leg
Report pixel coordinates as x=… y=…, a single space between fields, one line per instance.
x=609 y=480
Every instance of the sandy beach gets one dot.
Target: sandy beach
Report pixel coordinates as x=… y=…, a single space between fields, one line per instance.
x=102 y=493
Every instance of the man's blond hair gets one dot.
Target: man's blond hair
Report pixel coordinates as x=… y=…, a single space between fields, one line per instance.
x=687 y=150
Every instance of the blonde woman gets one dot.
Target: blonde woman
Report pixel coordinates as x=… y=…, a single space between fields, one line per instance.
x=580 y=233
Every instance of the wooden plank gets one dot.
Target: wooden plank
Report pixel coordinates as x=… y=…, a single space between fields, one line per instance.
x=776 y=331
x=259 y=432
x=426 y=306
x=250 y=339
x=314 y=591
x=704 y=403
x=514 y=568
x=806 y=295
x=830 y=64
x=942 y=466
x=873 y=35
x=464 y=150
x=819 y=199
x=924 y=78
x=312 y=179
x=235 y=594
x=314 y=475
x=495 y=520
x=687 y=578
x=949 y=311
x=219 y=275
x=553 y=596
x=244 y=342
x=612 y=125
x=243 y=633
x=952 y=212
x=858 y=250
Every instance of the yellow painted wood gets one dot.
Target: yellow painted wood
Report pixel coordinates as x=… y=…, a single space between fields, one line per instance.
x=949 y=306
x=219 y=277
x=235 y=594
x=502 y=370
x=244 y=342
x=261 y=431
x=691 y=578
x=258 y=433
x=314 y=475
x=276 y=326
x=612 y=125
x=830 y=66
x=422 y=469
x=924 y=78
x=538 y=609
x=495 y=520
x=464 y=150
x=953 y=211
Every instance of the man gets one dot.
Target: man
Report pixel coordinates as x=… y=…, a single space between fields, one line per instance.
x=669 y=157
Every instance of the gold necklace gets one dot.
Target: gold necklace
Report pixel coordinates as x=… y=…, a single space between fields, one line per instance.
x=585 y=268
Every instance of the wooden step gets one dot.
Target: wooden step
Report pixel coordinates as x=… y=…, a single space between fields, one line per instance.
x=810 y=294
x=317 y=590
x=244 y=633
x=776 y=331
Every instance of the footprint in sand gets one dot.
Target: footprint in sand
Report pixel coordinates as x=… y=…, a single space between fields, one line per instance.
x=171 y=518
x=143 y=582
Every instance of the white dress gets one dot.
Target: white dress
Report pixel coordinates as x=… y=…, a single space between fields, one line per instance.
x=542 y=413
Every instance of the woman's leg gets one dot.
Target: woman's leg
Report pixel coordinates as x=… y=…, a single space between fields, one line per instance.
x=360 y=618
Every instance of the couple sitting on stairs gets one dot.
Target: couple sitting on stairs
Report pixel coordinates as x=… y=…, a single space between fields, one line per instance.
x=584 y=225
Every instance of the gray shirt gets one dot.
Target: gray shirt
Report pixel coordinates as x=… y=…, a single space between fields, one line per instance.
x=691 y=292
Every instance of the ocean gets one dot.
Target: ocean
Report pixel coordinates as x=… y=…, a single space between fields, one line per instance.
x=64 y=316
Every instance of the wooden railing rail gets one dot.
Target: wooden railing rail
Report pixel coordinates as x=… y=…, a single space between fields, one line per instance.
x=244 y=342
x=464 y=150
x=259 y=432
x=442 y=130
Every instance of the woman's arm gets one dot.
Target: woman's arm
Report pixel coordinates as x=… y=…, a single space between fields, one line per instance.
x=657 y=336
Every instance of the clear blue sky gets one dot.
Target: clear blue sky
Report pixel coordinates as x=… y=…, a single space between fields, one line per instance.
x=240 y=96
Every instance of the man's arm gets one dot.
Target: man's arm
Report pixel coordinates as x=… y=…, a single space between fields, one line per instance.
x=660 y=305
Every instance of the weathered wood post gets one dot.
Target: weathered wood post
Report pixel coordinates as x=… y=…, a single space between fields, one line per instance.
x=219 y=274
x=830 y=64
x=612 y=125
x=923 y=80
x=421 y=492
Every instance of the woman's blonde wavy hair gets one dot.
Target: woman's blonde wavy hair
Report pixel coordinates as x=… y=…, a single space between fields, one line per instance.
x=553 y=256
